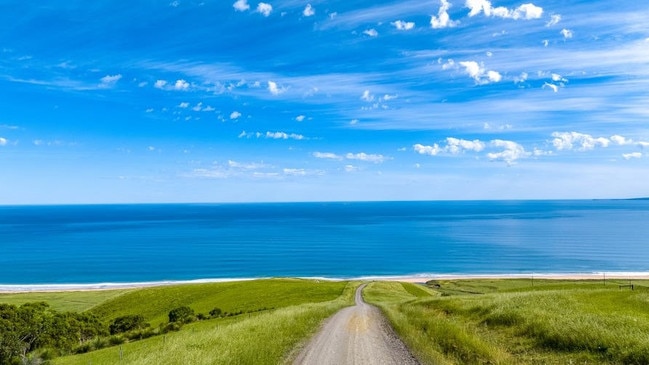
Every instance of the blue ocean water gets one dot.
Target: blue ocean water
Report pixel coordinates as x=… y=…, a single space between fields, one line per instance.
x=139 y=243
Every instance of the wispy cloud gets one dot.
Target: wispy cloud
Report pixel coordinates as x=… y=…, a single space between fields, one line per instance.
x=371 y=32
x=359 y=156
x=368 y=157
x=272 y=135
x=109 y=80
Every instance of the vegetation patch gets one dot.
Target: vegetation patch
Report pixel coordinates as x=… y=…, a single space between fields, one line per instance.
x=555 y=322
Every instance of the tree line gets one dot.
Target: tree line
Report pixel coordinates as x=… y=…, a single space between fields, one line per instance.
x=33 y=333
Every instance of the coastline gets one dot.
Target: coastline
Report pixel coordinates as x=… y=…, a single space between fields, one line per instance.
x=413 y=278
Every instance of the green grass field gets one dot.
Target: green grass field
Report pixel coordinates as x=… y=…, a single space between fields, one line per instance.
x=513 y=322
x=505 y=321
x=232 y=297
x=76 y=301
x=283 y=313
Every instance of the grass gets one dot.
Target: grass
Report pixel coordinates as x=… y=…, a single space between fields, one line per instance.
x=269 y=337
x=73 y=301
x=509 y=322
x=232 y=297
x=483 y=321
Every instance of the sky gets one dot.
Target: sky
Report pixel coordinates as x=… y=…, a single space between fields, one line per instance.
x=288 y=100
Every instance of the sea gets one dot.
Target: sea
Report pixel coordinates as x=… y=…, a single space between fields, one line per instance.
x=147 y=243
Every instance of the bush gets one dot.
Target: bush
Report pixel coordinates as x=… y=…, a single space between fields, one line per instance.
x=216 y=312
x=181 y=314
x=127 y=323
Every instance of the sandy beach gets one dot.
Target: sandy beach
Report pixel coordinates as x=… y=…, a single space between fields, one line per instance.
x=417 y=278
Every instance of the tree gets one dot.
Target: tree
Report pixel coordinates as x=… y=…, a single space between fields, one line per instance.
x=127 y=323
x=181 y=314
x=216 y=312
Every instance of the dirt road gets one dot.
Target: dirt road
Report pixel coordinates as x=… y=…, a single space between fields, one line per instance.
x=356 y=335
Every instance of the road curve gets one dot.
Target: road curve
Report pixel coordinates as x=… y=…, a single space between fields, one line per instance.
x=356 y=335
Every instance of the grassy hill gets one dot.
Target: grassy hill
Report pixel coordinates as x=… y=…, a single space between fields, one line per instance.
x=513 y=322
x=506 y=321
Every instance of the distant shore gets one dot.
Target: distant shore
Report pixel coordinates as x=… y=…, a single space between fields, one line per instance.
x=415 y=278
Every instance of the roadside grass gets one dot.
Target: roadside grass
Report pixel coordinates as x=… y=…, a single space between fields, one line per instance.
x=269 y=337
x=484 y=286
x=554 y=323
x=70 y=301
x=231 y=297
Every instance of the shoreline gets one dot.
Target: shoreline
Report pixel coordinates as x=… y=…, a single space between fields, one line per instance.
x=413 y=278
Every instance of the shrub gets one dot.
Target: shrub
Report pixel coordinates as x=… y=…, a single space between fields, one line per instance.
x=216 y=312
x=127 y=323
x=181 y=314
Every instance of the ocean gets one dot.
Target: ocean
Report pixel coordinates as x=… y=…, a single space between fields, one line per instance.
x=177 y=242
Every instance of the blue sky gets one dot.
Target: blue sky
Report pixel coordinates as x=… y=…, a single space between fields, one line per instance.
x=287 y=100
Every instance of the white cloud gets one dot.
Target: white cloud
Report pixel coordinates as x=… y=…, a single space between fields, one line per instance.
x=362 y=156
x=246 y=166
x=554 y=20
x=473 y=69
x=401 y=25
x=109 y=80
x=433 y=150
x=367 y=96
x=264 y=8
x=450 y=64
x=235 y=115
x=442 y=20
x=456 y=145
x=183 y=105
x=300 y=118
x=353 y=121
x=160 y=84
x=295 y=172
x=558 y=78
x=282 y=135
x=553 y=87
x=308 y=10
x=327 y=155
x=628 y=156
x=371 y=32
x=350 y=168
x=149 y=110
x=181 y=85
x=567 y=33
x=478 y=6
x=388 y=97
x=617 y=139
x=511 y=152
x=241 y=5
x=545 y=43
x=477 y=72
x=578 y=141
x=272 y=135
x=274 y=89
x=526 y=11
x=3 y=141
x=494 y=76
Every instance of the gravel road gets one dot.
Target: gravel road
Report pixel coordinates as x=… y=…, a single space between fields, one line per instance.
x=356 y=335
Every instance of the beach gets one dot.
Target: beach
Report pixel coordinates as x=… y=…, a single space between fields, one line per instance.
x=418 y=279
